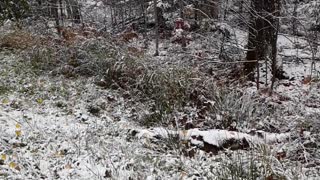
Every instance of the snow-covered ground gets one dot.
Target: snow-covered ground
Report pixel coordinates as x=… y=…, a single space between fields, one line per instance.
x=53 y=127
x=47 y=132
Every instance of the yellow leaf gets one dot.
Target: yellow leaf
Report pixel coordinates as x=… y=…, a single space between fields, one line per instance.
x=184 y=142
x=60 y=153
x=68 y=166
x=39 y=100
x=18 y=126
x=3 y=157
x=12 y=165
x=5 y=101
x=18 y=133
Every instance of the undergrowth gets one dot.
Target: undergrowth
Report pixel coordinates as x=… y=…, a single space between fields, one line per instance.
x=167 y=91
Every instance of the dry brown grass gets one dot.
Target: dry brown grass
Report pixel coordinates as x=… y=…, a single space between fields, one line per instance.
x=137 y=52
x=18 y=40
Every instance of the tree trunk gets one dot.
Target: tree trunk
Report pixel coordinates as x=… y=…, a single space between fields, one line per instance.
x=274 y=10
x=54 y=12
x=214 y=9
x=263 y=32
x=144 y=33
x=294 y=18
x=251 y=58
x=157 y=26
x=196 y=16
x=61 y=12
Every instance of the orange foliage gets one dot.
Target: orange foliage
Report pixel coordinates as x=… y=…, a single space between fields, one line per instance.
x=136 y=51
x=306 y=80
x=18 y=40
x=68 y=34
x=89 y=32
x=127 y=37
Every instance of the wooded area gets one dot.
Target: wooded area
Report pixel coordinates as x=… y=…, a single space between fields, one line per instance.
x=159 y=89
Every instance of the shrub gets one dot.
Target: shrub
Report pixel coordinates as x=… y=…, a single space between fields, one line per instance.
x=13 y=9
x=17 y=40
x=42 y=59
x=4 y=89
x=250 y=166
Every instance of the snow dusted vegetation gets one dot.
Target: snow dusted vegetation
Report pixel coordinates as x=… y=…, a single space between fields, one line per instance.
x=54 y=127
x=104 y=107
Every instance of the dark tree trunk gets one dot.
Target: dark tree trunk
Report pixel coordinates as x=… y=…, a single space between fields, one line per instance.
x=156 y=17
x=76 y=11
x=263 y=32
x=196 y=16
x=61 y=12
x=274 y=10
x=251 y=58
x=294 y=18
x=143 y=9
x=54 y=12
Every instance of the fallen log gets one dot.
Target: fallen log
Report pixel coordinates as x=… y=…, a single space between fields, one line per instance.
x=215 y=140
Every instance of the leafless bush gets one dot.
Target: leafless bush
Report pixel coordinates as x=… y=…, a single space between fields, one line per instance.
x=18 y=39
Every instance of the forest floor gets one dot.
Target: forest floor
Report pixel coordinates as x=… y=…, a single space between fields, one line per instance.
x=54 y=125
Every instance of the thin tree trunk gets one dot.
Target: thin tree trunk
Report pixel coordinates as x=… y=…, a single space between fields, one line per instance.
x=251 y=58
x=258 y=75
x=294 y=20
x=157 y=27
x=122 y=16
x=112 y=16
x=181 y=9
x=275 y=10
x=241 y=7
x=53 y=11
x=69 y=9
x=61 y=12
x=144 y=33
x=196 y=16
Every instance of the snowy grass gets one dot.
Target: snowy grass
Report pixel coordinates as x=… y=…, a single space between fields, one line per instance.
x=47 y=91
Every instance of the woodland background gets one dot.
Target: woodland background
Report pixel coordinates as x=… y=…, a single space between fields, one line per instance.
x=159 y=89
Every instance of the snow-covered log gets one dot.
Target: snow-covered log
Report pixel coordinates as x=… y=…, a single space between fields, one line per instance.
x=215 y=140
